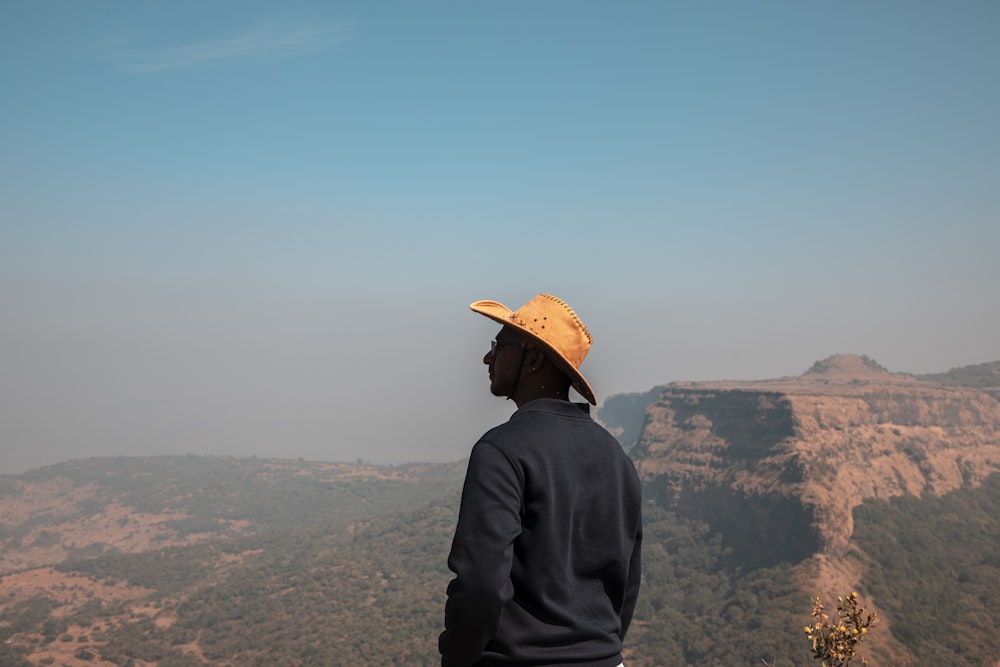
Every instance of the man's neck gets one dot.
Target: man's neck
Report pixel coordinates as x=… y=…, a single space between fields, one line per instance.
x=540 y=392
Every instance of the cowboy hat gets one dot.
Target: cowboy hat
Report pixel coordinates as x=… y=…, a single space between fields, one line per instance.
x=550 y=322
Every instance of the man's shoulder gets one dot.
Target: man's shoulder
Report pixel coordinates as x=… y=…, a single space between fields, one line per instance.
x=509 y=431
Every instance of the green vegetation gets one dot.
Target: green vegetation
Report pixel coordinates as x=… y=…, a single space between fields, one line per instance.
x=269 y=493
x=933 y=566
x=11 y=656
x=376 y=595
x=373 y=595
x=366 y=585
x=168 y=571
x=698 y=608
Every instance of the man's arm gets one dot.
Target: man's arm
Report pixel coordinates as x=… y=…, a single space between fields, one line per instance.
x=633 y=581
x=481 y=555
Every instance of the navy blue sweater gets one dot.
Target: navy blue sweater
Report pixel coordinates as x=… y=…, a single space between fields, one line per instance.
x=546 y=551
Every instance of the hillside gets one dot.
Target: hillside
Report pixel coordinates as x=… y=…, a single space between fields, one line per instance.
x=142 y=559
x=789 y=459
x=83 y=509
x=985 y=377
x=372 y=592
x=781 y=468
x=759 y=496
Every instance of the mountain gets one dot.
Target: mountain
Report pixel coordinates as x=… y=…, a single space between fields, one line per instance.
x=759 y=496
x=782 y=469
x=788 y=460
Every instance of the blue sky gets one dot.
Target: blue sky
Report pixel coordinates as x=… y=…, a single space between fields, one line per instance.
x=255 y=228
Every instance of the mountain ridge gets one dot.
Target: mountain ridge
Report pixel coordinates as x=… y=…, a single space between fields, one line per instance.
x=780 y=466
x=845 y=430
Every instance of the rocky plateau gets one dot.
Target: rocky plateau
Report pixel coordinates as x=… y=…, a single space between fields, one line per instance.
x=779 y=465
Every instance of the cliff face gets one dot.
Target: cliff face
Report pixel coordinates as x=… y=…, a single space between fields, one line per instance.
x=778 y=466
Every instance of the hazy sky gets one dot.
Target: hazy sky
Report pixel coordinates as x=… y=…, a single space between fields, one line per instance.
x=255 y=227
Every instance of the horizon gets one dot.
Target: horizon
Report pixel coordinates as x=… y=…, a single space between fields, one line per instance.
x=242 y=229
x=360 y=461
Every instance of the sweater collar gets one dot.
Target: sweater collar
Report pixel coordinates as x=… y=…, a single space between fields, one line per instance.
x=555 y=406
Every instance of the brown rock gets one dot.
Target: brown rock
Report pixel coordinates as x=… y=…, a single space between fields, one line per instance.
x=779 y=465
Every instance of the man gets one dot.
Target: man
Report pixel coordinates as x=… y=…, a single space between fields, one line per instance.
x=546 y=551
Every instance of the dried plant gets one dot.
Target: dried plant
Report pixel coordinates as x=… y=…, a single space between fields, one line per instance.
x=835 y=641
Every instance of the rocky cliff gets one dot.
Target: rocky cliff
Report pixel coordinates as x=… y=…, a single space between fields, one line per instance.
x=778 y=466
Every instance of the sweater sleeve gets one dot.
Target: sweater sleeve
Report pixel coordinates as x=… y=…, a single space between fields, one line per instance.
x=489 y=520
x=632 y=582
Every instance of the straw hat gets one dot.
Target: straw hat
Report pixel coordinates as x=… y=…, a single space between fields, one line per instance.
x=551 y=323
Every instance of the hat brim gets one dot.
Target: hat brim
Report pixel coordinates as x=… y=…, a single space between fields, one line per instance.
x=501 y=314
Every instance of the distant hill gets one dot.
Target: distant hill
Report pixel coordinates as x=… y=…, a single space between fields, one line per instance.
x=90 y=507
x=980 y=376
x=759 y=495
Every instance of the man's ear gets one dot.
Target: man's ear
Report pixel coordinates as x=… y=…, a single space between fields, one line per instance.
x=535 y=360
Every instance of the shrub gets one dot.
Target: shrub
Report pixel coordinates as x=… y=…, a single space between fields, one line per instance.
x=835 y=642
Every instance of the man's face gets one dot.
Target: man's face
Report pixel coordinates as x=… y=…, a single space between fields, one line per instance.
x=504 y=361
